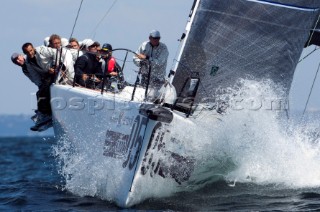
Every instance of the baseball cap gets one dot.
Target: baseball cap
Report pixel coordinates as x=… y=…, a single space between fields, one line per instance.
x=106 y=47
x=155 y=34
x=14 y=57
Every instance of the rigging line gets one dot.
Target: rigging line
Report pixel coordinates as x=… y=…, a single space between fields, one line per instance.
x=314 y=28
x=75 y=22
x=310 y=38
x=314 y=80
x=105 y=15
x=315 y=49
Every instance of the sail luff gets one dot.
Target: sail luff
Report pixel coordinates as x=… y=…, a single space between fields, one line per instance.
x=187 y=30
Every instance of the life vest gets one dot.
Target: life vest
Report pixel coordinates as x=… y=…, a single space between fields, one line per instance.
x=117 y=68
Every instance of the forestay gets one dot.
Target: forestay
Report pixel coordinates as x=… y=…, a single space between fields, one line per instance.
x=232 y=39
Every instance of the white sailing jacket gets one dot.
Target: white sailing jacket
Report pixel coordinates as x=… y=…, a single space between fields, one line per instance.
x=158 y=56
x=75 y=54
x=46 y=58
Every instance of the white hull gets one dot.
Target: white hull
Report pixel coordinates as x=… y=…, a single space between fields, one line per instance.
x=111 y=133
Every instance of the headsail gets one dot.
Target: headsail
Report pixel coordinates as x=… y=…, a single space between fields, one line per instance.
x=232 y=39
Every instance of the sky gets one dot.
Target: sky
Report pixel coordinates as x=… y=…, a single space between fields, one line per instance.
x=127 y=25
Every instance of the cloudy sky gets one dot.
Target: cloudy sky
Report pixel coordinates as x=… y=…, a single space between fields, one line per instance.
x=126 y=25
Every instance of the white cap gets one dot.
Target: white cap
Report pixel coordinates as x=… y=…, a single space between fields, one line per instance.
x=155 y=34
x=46 y=41
x=87 y=42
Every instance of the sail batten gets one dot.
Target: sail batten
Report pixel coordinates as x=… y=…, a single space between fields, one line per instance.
x=257 y=20
x=290 y=6
x=240 y=39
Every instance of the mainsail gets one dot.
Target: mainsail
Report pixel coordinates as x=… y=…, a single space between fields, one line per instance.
x=233 y=39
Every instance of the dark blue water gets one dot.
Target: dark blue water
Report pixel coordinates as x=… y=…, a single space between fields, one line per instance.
x=29 y=181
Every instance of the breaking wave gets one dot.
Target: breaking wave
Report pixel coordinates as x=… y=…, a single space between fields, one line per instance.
x=253 y=141
x=263 y=144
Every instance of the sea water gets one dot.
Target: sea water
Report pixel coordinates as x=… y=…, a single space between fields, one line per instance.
x=267 y=162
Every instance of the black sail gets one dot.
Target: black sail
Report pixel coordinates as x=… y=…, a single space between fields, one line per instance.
x=233 y=39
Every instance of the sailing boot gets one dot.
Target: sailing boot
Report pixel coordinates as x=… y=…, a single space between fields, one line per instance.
x=42 y=119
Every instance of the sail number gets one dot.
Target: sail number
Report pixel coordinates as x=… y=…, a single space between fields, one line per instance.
x=135 y=139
